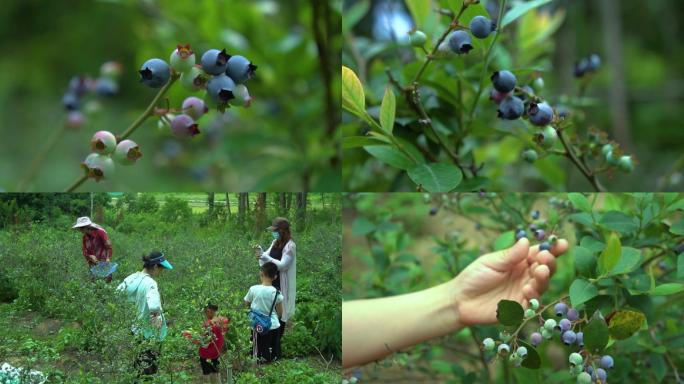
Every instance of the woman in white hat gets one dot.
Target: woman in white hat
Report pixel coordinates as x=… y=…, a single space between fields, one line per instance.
x=96 y=244
x=282 y=253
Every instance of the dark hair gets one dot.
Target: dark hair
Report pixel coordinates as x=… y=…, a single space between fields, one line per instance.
x=270 y=270
x=211 y=306
x=284 y=230
x=147 y=259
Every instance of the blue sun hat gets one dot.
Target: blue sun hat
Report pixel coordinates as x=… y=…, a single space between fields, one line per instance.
x=161 y=260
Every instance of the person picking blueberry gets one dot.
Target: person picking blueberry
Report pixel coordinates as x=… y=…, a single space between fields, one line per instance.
x=149 y=325
x=266 y=305
x=375 y=328
x=95 y=244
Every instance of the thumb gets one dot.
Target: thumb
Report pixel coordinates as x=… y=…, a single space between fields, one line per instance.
x=506 y=258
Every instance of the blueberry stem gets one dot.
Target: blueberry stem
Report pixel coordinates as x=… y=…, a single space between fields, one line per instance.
x=134 y=126
x=571 y=155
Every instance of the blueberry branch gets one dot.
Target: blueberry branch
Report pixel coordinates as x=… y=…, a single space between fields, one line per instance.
x=570 y=153
x=134 y=126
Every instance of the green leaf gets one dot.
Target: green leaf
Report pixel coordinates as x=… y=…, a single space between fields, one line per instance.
x=630 y=259
x=505 y=240
x=592 y=244
x=362 y=226
x=579 y=201
x=596 y=335
x=678 y=228
x=625 y=323
x=581 y=218
x=520 y=9
x=389 y=155
x=353 y=96
x=509 y=313
x=611 y=254
x=532 y=360
x=473 y=184
x=581 y=291
x=436 y=177
x=388 y=110
x=420 y=10
x=680 y=266
x=359 y=141
x=667 y=289
x=618 y=222
x=354 y=14
x=679 y=204
x=585 y=261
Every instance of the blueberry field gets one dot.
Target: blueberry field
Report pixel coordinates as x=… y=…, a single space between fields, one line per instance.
x=57 y=321
x=169 y=95
x=511 y=95
x=611 y=311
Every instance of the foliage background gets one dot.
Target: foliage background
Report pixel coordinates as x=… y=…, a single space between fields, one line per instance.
x=285 y=141
x=55 y=320
x=635 y=97
x=403 y=242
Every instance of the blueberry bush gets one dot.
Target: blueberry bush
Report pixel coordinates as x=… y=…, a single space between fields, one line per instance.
x=612 y=310
x=447 y=95
x=57 y=321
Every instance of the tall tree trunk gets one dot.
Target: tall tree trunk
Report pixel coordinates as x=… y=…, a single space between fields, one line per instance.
x=288 y=204
x=228 y=204
x=282 y=204
x=301 y=210
x=211 y=198
x=242 y=207
x=260 y=221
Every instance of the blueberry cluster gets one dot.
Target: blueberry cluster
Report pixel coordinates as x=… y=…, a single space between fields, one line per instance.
x=81 y=86
x=537 y=230
x=99 y=165
x=587 y=65
x=459 y=41
x=222 y=76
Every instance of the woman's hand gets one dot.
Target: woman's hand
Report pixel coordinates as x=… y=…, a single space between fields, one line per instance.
x=518 y=273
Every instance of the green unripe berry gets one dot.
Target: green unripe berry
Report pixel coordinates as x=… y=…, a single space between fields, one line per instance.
x=575 y=359
x=584 y=378
x=515 y=359
x=194 y=79
x=546 y=334
x=503 y=349
x=538 y=84
x=242 y=97
x=607 y=149
x=127 y=152
x=521 y=351
x=550 y=324
x=529 y=312
x=534 y=304
x=504 y=336
x=530 y=155
x=625 y=164
x=98 y=167
x=103 y=142
x=548 y=137
x=417 y=38
x=182 y=58
x=488 y=344
x=611 y=159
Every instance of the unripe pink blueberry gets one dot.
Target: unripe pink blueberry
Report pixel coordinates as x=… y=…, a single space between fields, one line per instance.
x=127 y=152
x=182 y=58
x=103 y=142
x=194 y=107
x=242 y=97
x=194 y=79
x=74 y=120
x=183 y=126
x=98 y=167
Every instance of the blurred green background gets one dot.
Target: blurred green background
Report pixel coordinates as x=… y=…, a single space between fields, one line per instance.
x=636 y=96
x=285 y=141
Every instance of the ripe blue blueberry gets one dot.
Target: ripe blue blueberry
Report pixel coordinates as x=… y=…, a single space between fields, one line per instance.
x=575 y=358
x=594 y=62
x=561 y=308
x=534 y=304
x=194 y=107
x=460 y=42
x=535 y=338
x=155 y=73
x=106 y=87
x=564 y=325
x=545 y=246
x=220 y=89
x=503 y=81
x=535 y=215
x=481 y=27
x=79 y=85
x=580 y=339
x=488 y=344
x=240 y=69
x=511 y=108
x=183 y=126
x=127 y=152
x=71 y=102
x=607 y=361
x=103 y=142
x=540 y=114
x=572 y=314
x=215 y=62
x=539 y=234
x=182 y=58
x=600 y=374
x=520 y=234
x=569 y=337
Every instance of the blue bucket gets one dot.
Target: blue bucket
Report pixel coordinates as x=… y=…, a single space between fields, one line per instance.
x=103 y=269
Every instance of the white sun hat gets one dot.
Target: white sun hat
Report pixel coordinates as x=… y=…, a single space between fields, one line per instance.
x=83 y=222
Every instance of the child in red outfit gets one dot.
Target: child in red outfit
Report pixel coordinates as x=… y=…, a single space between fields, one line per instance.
x=211 y=343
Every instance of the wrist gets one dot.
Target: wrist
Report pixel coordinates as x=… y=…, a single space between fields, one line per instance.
x=448 y=313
